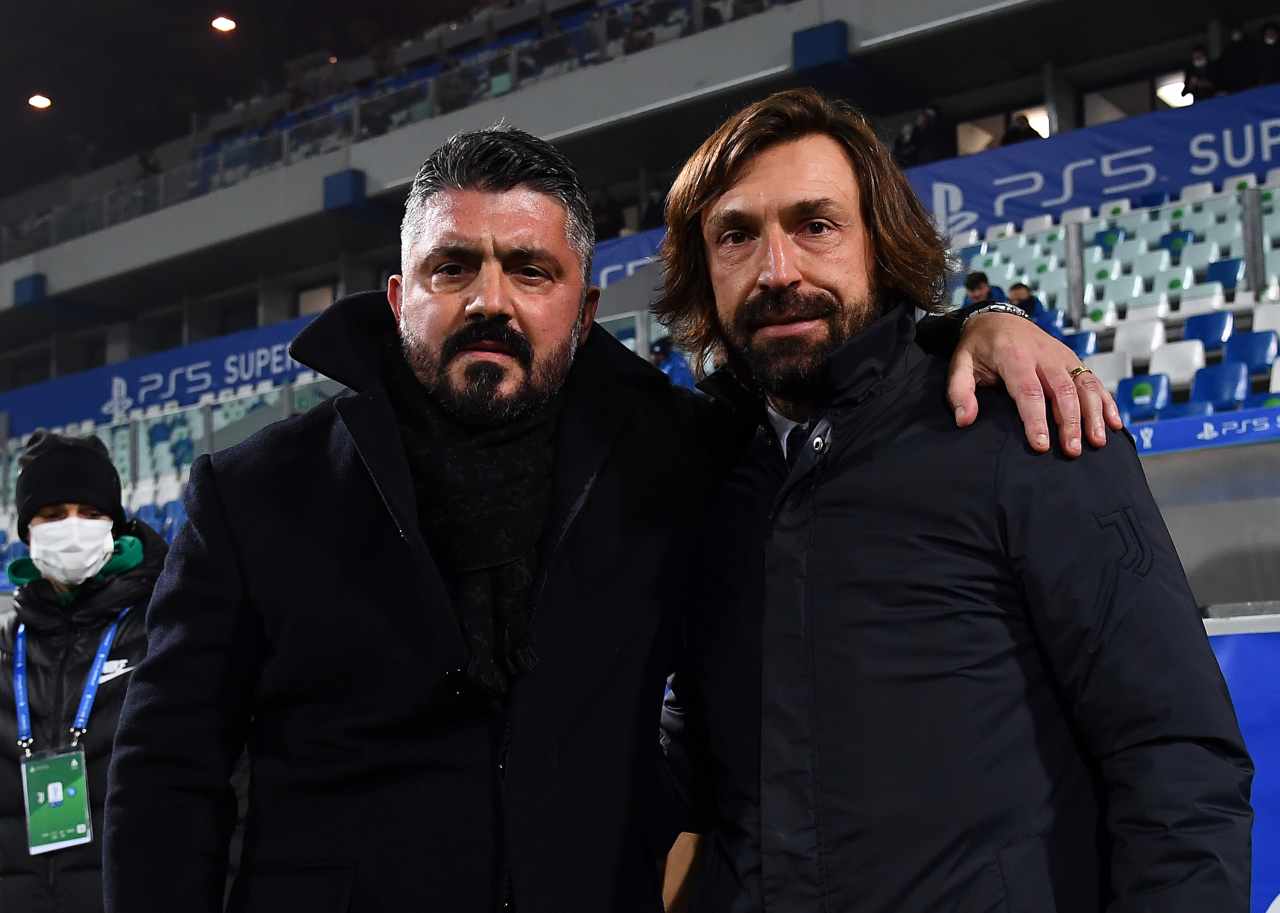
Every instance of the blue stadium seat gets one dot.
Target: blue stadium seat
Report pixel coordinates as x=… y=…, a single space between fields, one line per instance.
x=1263 y=401
x=1211 y=329
x=1051 y=321
x=1257 y=350
x=1186 y=410
x=1143 y=395
x=1083 y=344
x=1228 y=272
x=1175 y=241
x=1225 y=385
x=150 y=515
x=1108 y=239
x=175 y=514
x=4 y=538
x=966 y=254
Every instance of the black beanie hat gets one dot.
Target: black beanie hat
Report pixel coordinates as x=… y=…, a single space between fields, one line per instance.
x=57 y=469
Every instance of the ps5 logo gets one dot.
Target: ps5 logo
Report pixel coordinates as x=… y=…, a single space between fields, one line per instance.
x=1147 y=435
x=947 y=212
x=1208 y=433
x=117 y=408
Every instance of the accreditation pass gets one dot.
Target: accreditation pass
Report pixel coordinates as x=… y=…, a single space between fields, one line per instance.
x=56 y=794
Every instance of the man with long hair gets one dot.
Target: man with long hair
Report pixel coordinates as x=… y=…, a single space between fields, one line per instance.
x=928 y=669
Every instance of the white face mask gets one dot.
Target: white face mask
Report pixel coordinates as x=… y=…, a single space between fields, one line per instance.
x=71 y=551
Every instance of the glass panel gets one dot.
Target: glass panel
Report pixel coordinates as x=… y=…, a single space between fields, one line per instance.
x=321 y=135
x=395 y=109
x=236 y=419
x=623 y=328
x=307 y=396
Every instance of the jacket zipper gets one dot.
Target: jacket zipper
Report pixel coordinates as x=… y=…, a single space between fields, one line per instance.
x=504 y=751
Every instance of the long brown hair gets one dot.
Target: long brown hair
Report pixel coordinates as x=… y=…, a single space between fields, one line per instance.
x=910 y=256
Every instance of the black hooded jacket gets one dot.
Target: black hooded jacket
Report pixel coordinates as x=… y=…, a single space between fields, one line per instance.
x=60 y=648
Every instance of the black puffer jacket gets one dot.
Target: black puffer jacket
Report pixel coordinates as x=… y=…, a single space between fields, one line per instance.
x=60 y=647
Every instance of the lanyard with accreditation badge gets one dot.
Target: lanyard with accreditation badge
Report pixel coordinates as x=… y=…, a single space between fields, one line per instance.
x=55 y=784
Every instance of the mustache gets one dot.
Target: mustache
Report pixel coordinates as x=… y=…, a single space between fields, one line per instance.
x=495 y=330
x=783 y=305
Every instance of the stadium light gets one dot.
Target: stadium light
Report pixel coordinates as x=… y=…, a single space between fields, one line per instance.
x=39 y=102
x=1169 y=90
x=223 y=24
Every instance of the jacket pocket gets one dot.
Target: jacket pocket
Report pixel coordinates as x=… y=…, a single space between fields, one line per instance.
x=1028 y=883
x=316 y=888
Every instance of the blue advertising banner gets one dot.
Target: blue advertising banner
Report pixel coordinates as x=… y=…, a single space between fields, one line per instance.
x=1153 y=153
x=620 y=257
x=179 y=376
x=1249 y=662
x=1247 y=426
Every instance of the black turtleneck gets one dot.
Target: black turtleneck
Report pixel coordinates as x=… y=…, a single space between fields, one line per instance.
x=483 y=495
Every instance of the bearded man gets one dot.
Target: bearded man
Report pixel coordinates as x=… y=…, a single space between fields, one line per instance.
x=929 y=670
x=435 y=611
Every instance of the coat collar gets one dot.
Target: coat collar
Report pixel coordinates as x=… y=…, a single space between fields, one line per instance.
x=859 y=368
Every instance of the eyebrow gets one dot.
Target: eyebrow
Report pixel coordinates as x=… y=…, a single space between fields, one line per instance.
x=735 y=218
x=519 y=253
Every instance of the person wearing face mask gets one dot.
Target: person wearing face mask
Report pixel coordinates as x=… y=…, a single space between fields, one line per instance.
x=65 y=661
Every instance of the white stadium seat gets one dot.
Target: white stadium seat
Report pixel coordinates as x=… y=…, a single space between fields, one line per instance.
x=1148 y=306
x=964 y=238
x=1113 y=208
x=1180 y=360
x=1199 y=254
x=1150 y=264
x=1139 y=338
x=1131 y=221
x=1273 y=177
x=1238 y=182
x=1202 y=299
x=1037 y=223
x=1266 y=317
x=1193 y=193
x=1079 y=214
x=1110 y=368
x=1275 y=376
x=1000 y=230
x=1099 y=316
x=1127 y=250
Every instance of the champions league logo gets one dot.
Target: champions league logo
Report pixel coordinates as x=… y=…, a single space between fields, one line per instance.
x=1147 y=435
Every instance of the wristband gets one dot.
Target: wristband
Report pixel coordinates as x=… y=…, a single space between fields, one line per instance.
x=998 y=308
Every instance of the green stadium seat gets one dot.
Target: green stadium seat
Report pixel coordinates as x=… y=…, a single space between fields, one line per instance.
x=1099 y=315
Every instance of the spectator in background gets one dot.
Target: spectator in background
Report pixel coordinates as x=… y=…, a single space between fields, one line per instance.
x=638 y=38
x=85 y=586
x=1020 y=295
x=671 y=363
x=607 y=214
x=978 y=288
x=935 y=136
x=1269 y=55
x=651 y=213
x=906 y=151
x=1238 y=65
x=1202 y=77
x=1019 y=131
x=613 y=27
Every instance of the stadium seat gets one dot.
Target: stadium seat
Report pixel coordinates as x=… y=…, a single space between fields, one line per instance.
x=1228 y=235
x=1228 y=273
x=1152 y=232
x=1175 y=241
x=1148 y=306
x=1226 y=206
x=1238 y=182
x=1037 y=224
x=1195 y=192
x=1104 y=270
x=1107 y=239
x=1099 y=315
x=1051 y=321
x=1078 y=214
x=1084 y=343
x=1175 y=212
x=1113 y=208
x=1202 y=299
x=1039 y=264
x=1198 y=223
x=1274 y=386
x=1186 y=410
x=987 y=262
x=1256 y=350
x=1211 y=329
x=1179 y=360
x=964 y=238
x=1173 y=281
x=1139 y=338
x=1151 y=263
x=1143 y=395
x=1110 y=367
x=1119 y=290
x=1262 y=401
x=1225 y=385
x=1130 y=249
x=1152 y=199
x=1273 y=177
x=1266 y=317
x=969 y=251
x=1198 y=255
x=1000 y=230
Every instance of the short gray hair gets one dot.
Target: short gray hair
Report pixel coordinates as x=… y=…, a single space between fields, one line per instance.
x=497 y=159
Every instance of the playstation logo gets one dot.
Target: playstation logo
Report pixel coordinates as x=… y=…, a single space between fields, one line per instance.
x=117 y=408
x=1208 y=433
x=948 y=211
x=1147 y=435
